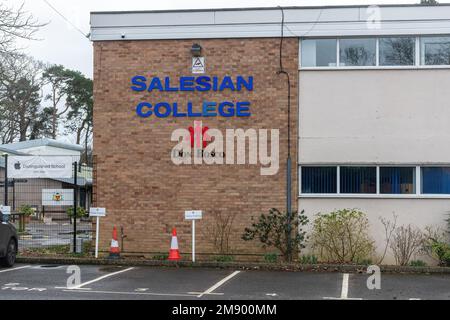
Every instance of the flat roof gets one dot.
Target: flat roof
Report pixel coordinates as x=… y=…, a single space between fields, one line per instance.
x=271 y=8
x=16 y=146
x=301 y=22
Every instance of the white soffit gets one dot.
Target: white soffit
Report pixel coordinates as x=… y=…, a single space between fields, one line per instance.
x=265 y=22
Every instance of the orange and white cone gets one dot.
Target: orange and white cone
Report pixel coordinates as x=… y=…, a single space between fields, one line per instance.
x=174 y=254
x=114 y=252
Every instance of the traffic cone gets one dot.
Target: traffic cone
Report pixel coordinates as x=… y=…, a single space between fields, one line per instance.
x=174 y=254
x=114 y=252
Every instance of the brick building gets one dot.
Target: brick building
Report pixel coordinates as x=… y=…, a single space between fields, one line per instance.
x=366 y=86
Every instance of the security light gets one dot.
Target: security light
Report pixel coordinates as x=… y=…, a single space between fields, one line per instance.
x=196 y=50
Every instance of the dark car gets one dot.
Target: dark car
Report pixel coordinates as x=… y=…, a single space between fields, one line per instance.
x=8 y=242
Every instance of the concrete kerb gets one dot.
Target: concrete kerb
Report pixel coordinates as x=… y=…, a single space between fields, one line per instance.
x=232 y=265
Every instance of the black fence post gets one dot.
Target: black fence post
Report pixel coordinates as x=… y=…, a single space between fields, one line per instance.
x=75 y=200
x=6 y=180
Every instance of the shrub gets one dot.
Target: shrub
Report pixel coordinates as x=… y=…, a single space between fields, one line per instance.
x=81 y=212
x=406 y=241
x=163 y=256
x=441 y=251
x=224 y=258
x=448 y=227
x=26 y=210
x=342 y=236
x=308 y=259
x=417 y=263
x=274 y=230
x=271 y=257
x=220 y=231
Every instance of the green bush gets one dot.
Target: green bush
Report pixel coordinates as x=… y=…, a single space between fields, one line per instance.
x=274 y=230
x=417 y=263
x=342 y=236
x=308 y=259
x=436 y=245
x=26 y=210
x=161 y=257
x=224 y=258
x=442 y=251
x=271 y=257
x=81 y=212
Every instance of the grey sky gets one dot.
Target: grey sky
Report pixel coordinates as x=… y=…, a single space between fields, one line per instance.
x=62 y=44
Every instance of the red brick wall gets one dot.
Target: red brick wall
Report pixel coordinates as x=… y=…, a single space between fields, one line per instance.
x=136 y=180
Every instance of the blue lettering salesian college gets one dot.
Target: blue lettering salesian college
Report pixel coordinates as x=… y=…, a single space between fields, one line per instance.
x=193 y=84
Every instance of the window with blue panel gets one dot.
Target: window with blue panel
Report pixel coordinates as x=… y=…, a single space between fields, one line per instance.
x=436 y=180
x=358 y=180
x=319 y=179
x=397 y=180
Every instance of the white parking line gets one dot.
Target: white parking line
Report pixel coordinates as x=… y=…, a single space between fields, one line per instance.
x=14 y=269
x=344 y=291
x=99 y=279
x=132 y=293
x=218 y=284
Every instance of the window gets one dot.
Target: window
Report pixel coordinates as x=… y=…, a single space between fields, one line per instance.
x=435 y=50
x=358 y=179
x=319 y=53
x=357 y=52
x=396 y=180
x=391 y=181
x=436 y=180
x=398 y=51
x=319 y=180
x=365 y=52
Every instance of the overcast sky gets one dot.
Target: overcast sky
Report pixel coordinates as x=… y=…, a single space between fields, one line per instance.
x=62 y=44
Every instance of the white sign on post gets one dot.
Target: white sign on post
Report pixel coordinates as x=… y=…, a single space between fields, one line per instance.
x=97 y=213
x=39 y=167
x=57 y=197
x=5 y=210
x=192 y=216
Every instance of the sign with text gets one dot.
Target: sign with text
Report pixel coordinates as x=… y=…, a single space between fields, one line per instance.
x=97 y=212
x=198 y=65
x=193 y=215
x=57 y=197
x=39 y=167
x=5 y=210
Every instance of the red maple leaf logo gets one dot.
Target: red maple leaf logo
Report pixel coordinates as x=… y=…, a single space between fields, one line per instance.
x=202 y=139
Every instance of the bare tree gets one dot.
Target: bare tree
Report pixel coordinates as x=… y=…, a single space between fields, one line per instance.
x=407 y=241
x=15 y=23
x=389 y=228
x=220 y=231
x=429 y=2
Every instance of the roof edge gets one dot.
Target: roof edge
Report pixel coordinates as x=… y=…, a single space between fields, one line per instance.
x=273 y=8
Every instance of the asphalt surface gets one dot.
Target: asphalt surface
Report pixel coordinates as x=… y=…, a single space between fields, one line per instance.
x=40 y=235
x=37 y=282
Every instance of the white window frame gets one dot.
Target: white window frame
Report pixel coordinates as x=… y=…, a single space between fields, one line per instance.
x=416 y=66
x=378 y=195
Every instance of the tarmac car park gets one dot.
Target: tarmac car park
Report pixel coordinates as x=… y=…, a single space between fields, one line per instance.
x=90 y=282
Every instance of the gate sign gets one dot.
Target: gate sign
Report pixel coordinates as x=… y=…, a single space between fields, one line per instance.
x=5 y=210
x=57 y=197
x=97 y=212
x=39 y=167
x=193 y=215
